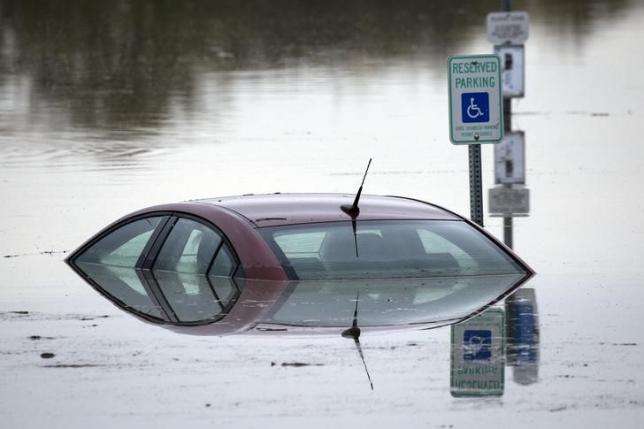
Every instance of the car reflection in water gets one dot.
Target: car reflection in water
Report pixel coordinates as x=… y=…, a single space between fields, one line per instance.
x=217 y=305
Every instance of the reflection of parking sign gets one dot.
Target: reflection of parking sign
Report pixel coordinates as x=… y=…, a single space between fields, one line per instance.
x=477 y=358
x=477 y=345
x=475 y=107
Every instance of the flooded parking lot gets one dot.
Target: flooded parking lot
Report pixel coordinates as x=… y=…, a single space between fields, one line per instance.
x=105 y=109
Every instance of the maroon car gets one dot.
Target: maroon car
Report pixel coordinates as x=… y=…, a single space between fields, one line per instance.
x=293 y=262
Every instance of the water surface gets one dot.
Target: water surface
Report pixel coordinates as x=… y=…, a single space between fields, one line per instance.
x=106 y=108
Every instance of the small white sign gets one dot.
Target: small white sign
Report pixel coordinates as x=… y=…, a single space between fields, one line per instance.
x=509 y=202
x=509 y=159
x=508 y=27
x=512 y=69
x=477 y=359
x=475 y=103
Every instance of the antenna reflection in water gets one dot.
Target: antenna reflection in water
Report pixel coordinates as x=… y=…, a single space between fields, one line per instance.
x=354 y=332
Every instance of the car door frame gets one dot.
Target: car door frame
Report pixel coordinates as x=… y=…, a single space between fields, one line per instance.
x=148 y=260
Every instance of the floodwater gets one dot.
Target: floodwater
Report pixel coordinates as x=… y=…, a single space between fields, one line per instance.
x=107 y=108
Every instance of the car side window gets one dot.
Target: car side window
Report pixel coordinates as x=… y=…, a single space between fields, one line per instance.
x=189 y=248
x=190 y=254
x=123 y=246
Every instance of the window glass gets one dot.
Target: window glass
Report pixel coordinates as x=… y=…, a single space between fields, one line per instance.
x=382 y=249
x=391 y=301
x=433 y=243
x=190 y=296
x=123 y=284
x=189 y=248
x=304 y=244
x=225 y=289
x=224 y=264
x=123 y=246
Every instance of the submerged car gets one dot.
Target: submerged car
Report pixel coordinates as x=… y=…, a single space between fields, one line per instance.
x=292 y=262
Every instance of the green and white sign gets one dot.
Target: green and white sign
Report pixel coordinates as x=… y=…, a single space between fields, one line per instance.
x=475 y=99
x=477 y=358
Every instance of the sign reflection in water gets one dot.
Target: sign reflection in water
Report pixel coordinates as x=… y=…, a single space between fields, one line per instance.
x=483 y=345
x=477 y=360
x=522 y=336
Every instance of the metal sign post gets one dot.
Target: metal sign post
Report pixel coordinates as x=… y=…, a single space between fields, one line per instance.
x=475 y=114
x=476 y=184
x=508 y=31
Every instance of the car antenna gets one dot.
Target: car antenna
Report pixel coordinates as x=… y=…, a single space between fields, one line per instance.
x=353 y=210
x=354 y=332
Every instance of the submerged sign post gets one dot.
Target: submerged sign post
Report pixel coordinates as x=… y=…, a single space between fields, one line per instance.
x=475 y=99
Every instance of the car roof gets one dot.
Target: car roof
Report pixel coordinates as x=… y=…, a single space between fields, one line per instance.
x=289 y=209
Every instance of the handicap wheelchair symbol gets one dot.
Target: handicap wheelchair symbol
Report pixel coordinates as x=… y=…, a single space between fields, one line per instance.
x=475 y=107
x=477 y=345
x=474 y=111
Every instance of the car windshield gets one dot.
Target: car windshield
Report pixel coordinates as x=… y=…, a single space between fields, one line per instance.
x=387 y=249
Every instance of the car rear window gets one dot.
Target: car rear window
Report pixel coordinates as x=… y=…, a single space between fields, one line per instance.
x=386 y=249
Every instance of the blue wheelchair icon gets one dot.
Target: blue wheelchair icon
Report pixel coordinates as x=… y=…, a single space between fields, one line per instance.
x=477 y=345
x=475 y=107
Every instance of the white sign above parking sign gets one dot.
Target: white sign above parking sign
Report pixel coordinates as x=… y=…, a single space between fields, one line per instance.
x=475 y=103
x=508 y=27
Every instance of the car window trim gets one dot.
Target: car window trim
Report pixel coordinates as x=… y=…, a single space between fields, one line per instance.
x=158 y=232
x=214 y=258
x=156 y=249
x=148 y=259
x=159 y=296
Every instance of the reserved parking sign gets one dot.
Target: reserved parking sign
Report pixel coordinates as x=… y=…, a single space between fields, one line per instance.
x=475 y=99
